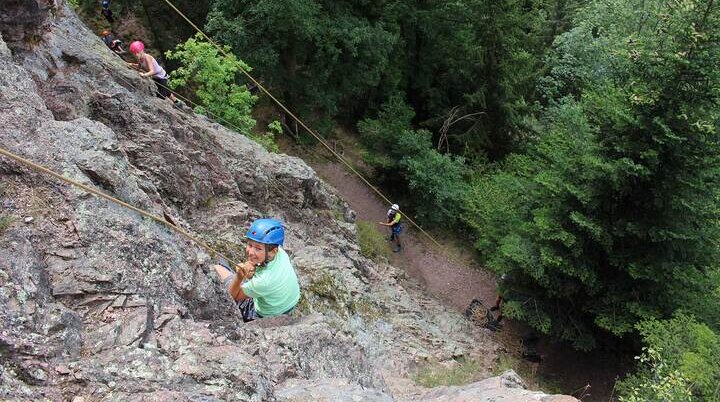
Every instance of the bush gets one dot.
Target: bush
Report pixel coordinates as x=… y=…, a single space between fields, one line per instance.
x=372 y=242
x=212 y=76
x=679 y=361
x=405 y=157
x=658 y=381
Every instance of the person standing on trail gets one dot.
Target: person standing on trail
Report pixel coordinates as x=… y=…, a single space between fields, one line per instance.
x=149 y=67
x=266 y=285
x=393 y=222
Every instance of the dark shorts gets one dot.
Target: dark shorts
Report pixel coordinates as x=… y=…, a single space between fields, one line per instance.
x=163 y=91
x=247 y=306
x=397 y=229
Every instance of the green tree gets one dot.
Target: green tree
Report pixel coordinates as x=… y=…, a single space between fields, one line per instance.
x=344 y=59
x=405 y=157
x=611 y=217
x=212 y=78
x=657 y=381
x=679 y=363
x=321 y=56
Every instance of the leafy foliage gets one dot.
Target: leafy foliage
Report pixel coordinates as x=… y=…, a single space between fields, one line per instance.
x=320 y=54
x=658 y=381
x=343 y=58
x=679 y=363
x=435 y=181
x=212 y=78
x=611 y=216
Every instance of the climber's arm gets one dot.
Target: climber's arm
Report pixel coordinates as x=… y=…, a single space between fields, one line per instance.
x=244 y=271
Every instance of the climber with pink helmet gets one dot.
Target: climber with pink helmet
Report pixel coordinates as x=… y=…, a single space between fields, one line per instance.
x=149 y=67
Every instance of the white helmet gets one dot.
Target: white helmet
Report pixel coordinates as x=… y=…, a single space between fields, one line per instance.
x=395 y=207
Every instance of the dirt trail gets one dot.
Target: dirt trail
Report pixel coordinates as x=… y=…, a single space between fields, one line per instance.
x=454 y=284
x=458 y=280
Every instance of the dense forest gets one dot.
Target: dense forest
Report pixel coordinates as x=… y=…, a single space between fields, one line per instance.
x=573 y=143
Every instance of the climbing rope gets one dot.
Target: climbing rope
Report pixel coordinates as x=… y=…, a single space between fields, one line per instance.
x=93 y=191
x=302 y=124
x=173 y=227
x=100 y=194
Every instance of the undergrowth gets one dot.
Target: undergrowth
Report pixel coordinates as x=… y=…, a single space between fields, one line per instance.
x=372 y=243
x=436 y=374
x=5 y=222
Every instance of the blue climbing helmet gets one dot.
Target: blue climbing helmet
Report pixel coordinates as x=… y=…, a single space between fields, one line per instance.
x=267 y=231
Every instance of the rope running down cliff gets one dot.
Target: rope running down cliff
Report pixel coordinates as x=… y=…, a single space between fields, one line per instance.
x=310 y=131
x=173 y=227
x=100 y=194
x=316 y=136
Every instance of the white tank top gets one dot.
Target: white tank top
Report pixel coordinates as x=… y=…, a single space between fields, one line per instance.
x=159 y=71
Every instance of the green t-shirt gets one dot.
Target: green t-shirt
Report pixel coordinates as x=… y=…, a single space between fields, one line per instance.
x=274 y=288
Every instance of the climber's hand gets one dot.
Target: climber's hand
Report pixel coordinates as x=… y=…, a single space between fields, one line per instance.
x=246 y=270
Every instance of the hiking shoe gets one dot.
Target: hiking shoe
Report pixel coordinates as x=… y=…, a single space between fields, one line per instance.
x=396 y=250
x=494 y=308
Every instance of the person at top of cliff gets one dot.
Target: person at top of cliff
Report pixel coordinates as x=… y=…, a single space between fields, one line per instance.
x=149 y=67
x=265 y=285
x=106 y=12
x=114 y=44
x=393 y=222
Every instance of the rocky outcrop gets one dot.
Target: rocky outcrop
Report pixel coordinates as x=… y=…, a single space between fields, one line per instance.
x=101 y=304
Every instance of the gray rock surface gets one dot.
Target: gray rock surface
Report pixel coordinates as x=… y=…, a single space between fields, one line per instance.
x=99 y=303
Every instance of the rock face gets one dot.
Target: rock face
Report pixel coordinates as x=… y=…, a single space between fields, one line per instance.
x=101 y=304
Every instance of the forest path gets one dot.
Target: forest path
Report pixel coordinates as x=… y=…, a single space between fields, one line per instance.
x=455 y=281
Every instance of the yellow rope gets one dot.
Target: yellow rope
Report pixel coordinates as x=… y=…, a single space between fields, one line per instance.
x=100 y=194
x=315 y=135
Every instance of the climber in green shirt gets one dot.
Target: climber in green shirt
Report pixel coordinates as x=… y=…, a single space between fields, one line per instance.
x=266 y=284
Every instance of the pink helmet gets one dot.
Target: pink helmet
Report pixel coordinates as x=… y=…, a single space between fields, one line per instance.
x=136 y=47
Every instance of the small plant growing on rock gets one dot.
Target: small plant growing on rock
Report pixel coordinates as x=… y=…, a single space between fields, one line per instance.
x=5 y=222
x=459 y=372
x=371 y=241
